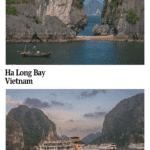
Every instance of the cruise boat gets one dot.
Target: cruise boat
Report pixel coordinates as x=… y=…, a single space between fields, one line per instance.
x=57 y=145
x=77 y=142
x=107 y=146
x=73 y=143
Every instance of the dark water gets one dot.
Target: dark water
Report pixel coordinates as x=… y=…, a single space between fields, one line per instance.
x=87 y=52
x=127 y=149
x=92 y=21
x=122 y=149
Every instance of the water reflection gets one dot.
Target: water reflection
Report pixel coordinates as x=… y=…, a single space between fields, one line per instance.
x=88 y=52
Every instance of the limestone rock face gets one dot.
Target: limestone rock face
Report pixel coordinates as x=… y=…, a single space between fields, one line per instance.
x=58 y=8
x=33 y=122
x=100 y=30
x=124 y=124
x=58 y=18
x=119 y=19
x=14 y=135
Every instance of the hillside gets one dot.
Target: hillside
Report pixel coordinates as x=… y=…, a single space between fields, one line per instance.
x=33 y=121
x=124 y=124
x=126 y=17
x=90 y=138
x=14 y=135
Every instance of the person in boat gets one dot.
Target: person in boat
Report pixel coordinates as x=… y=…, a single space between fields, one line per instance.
x=34 y=48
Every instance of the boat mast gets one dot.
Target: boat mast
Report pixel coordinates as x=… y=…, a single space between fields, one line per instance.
x=25 y=48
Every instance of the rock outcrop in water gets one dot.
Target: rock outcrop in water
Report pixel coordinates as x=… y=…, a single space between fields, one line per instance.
x=126 y=16
x=124 y=124
x=44 y=20
x=33 y=121
x=101 y=30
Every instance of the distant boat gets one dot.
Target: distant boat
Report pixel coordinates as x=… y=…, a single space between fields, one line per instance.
x=33 y=54
x=108 y=146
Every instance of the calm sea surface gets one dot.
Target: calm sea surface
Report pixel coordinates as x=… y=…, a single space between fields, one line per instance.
x=120 y=149
x=92 y=21
x=86 y=52
x=127 y=149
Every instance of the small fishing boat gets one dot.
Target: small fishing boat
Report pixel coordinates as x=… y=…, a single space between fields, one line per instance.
x=35 y=54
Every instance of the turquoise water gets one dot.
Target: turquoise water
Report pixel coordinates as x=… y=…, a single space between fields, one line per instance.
x=92 y=21
x=80 y=53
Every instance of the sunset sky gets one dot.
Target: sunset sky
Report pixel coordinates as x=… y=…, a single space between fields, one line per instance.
x=76 y=112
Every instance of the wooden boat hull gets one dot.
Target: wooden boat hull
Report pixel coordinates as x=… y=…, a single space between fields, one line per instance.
x=45 y=54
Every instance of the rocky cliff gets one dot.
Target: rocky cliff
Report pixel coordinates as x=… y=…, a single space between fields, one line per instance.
x=14 y=135
x=126 y=16
x=124 y=124
x=33 y=121
x=90 y=138
x=44 y=19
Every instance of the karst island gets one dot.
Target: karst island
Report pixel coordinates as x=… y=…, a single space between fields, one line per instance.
x=90 y=31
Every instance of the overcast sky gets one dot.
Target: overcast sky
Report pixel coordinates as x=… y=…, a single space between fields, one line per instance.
x=76 y=112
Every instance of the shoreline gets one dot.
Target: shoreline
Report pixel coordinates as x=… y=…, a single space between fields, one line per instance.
x=76 y=39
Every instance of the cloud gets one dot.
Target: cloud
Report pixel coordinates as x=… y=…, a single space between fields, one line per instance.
x=56 y=103
x=95 y=115
x=73 y=123
x=71 y=120
x=36 y=103
x=98 y=108
x=52 y=95
x=10 y=101
x=33 y=102
x=90 y=94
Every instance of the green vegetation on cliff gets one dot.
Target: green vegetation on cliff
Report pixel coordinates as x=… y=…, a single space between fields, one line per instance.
x=27 y=26
x=38 y=21
x=143 y=9
x=132 y=16
x=11 y=10
x=113 y=5
x=24 y=1
x=64 y=25
x=33 y=122
x=109 y=15
x=12 y=2
x=79 y=4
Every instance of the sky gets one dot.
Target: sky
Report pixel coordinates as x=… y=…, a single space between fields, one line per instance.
x=75 y=112
x=87 y=1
